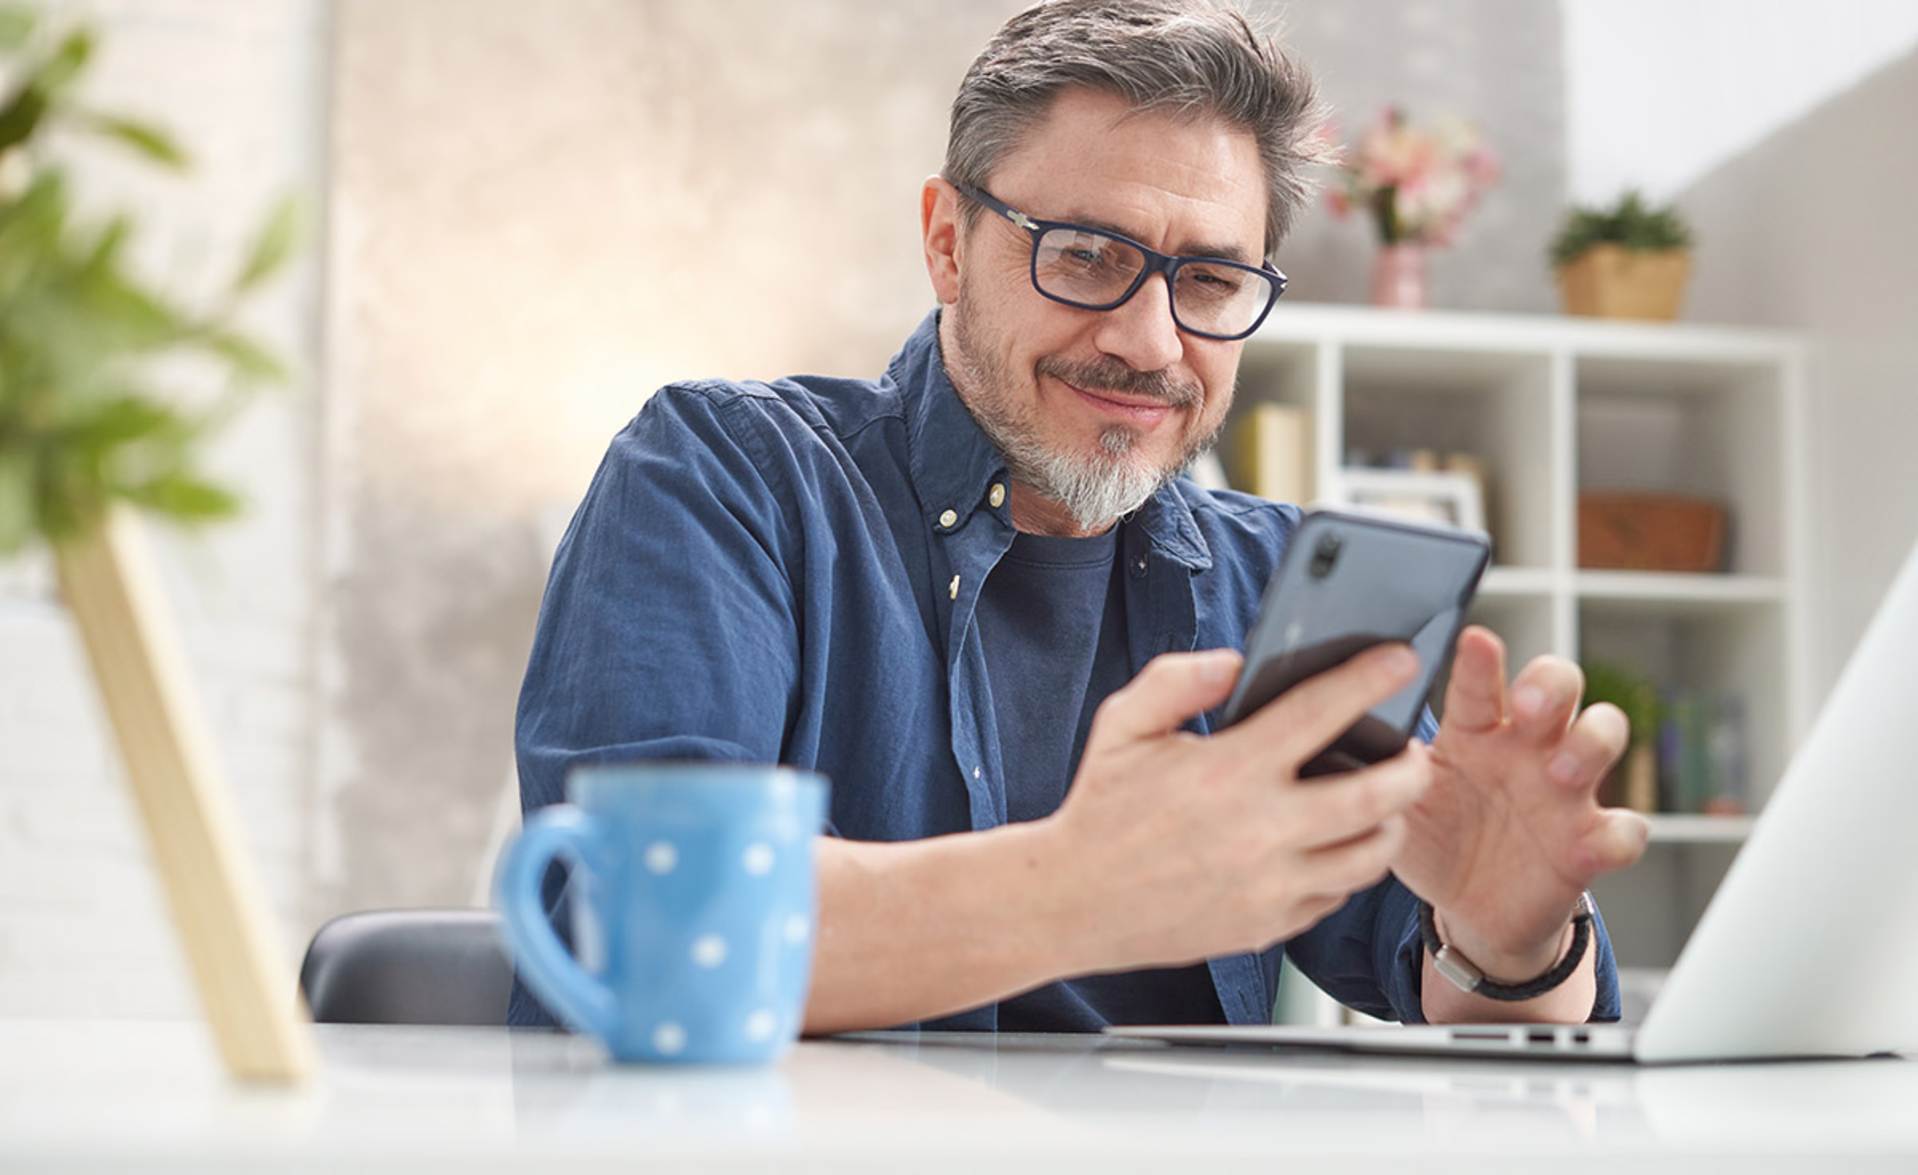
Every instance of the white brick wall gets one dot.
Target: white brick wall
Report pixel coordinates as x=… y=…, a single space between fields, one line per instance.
x=83 y=927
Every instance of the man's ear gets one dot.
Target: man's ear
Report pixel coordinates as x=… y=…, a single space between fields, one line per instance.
x=940 y=226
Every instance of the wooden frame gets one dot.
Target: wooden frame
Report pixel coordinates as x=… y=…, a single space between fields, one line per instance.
x=249 y=993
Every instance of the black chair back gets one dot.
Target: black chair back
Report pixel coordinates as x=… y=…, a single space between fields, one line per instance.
x=408 y=967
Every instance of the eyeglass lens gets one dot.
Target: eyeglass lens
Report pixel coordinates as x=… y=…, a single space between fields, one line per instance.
x=1095 y=270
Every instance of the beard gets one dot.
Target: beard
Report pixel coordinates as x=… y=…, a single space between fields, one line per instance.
x=1095 y=487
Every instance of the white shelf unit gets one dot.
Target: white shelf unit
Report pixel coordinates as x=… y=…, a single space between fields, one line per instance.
x=1556 y=405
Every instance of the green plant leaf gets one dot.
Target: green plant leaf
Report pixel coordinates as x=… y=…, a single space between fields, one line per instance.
x=271 y=247
x=185 y=497
x=78 y=328
x=120 y=317
x=122 y=419
x=16 y=501
x=1629 y=223
x=1632 y=692
x=105 y=254
x=249 y=360
x=42 y=88
x=16 y=25
x=148 y=140
x=59 y=71
x=21 y=116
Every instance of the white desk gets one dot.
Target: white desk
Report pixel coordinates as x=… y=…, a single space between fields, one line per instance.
x=91 y=1095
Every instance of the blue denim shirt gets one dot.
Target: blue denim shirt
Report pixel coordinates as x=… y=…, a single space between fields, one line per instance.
x=788 y=572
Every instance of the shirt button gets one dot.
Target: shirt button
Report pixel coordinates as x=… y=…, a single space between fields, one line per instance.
x=975 y=772
x=998 y=495
x=1138 y=566
x=952 y=589
x=948 y=518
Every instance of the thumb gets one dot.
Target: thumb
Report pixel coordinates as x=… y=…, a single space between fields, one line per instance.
x=1613 y=843
x=1170 y=689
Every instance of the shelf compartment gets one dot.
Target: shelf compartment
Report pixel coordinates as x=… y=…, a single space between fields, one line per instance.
x=1292 y=374
x=1697 y=428
x=1495 y=405
x=1737 y=651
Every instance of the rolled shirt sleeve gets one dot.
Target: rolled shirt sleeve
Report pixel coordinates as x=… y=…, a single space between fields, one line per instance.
x=667 y=627
x=667 y=630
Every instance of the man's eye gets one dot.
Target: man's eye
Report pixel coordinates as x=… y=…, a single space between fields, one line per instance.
x=1214 y=284
x=1085 y=256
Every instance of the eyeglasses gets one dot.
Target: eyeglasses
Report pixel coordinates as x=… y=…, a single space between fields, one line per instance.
x=1094 y=269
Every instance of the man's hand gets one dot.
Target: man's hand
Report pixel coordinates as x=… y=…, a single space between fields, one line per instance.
x=1177 y=848
x=1510 y=831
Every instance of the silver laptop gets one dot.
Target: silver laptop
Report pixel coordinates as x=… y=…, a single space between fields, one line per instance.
x=1810 y=945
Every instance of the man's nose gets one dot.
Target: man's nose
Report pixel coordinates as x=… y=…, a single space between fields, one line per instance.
x=1142 y=332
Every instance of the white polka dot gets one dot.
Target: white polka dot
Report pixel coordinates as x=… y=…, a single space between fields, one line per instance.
x=661 y=857
x=796 y=928
x=709 y=950
x=758 y=859
x=760 y=1024
x=669 y=1038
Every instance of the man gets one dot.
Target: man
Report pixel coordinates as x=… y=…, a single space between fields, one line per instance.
x=969 y=594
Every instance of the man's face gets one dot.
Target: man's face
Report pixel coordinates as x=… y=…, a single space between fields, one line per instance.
x=1095 y=409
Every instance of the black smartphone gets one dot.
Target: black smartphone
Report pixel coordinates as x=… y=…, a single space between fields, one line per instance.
x=1346 y=583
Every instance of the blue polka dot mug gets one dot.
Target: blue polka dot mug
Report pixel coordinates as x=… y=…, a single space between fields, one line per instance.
x=692 y=904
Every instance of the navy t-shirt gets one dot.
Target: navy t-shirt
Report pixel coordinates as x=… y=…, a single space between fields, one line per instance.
x=1052 y=621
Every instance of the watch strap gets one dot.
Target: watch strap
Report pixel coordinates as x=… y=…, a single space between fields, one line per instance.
x=1466 y=976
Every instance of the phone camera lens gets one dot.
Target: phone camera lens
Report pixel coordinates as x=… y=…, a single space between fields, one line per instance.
x=1325 y=555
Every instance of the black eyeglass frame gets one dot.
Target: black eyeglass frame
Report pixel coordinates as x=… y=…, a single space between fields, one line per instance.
x=1155 y=262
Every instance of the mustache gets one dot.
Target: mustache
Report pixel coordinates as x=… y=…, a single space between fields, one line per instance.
x=1110 y=375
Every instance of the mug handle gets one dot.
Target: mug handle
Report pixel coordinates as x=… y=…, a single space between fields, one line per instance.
x=548 y=968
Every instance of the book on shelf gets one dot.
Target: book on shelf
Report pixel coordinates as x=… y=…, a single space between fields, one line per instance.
x=1268 y=453
x=1702 y=751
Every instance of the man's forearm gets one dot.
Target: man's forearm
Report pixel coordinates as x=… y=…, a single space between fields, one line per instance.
x=918 y=929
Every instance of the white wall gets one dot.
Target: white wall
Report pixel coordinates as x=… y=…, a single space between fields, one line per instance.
x=1659 y=93
x=1812 y=228
x=83 y=929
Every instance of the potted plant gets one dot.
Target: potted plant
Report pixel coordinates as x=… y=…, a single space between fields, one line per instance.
x=86 y=435
x=1634 y=782
x=1417 y=185
x=1628 y=261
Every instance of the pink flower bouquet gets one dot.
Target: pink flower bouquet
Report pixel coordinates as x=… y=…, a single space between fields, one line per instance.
x=1417 y=184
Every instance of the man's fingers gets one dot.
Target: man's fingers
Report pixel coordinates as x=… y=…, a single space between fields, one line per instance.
x=1545 y=696
x=1354 y=864
x=1475 y=698
x=1337 y=808
x=1589 y=748
x=1615 y=842
x=1306 y=718
x=1170 y=689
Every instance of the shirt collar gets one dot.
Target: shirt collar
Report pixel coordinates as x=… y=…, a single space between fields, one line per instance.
x=955 y=465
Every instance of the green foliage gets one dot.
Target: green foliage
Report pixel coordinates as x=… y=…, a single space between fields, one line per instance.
x=1629 y=223
x=83 y=420
x=1634 y=693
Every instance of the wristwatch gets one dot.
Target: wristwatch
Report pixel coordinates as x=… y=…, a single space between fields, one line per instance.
x=1466 y=976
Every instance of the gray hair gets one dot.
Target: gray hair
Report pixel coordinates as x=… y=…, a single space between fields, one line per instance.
x=1190 y=58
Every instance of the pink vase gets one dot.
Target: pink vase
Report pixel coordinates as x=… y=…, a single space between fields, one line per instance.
x=1398 y=277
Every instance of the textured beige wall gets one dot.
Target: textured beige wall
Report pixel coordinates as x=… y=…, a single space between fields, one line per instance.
x=541 y=215
x=542 y=212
